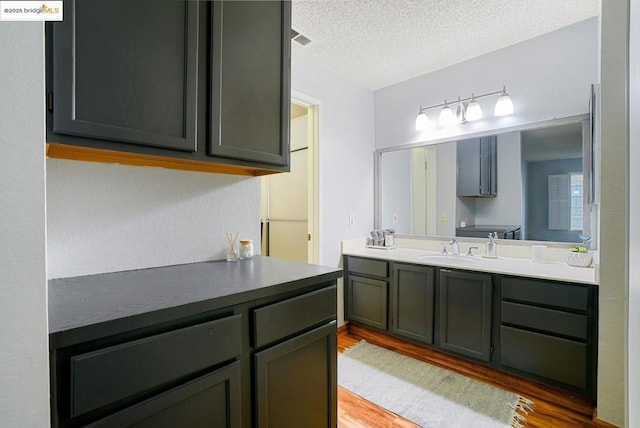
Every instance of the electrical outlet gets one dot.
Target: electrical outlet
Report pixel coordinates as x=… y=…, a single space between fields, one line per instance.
x=352 y=220
x=443 y=218
x=394 y=219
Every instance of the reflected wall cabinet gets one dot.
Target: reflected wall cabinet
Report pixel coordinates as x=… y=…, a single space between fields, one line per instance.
x=477 y=160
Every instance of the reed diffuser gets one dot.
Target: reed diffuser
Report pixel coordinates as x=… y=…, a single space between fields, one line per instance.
x=232 y=254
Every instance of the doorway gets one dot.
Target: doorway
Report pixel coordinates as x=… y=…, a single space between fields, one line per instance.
x=289 y=214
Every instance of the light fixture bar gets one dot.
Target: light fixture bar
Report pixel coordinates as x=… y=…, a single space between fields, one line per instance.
x=462 y=100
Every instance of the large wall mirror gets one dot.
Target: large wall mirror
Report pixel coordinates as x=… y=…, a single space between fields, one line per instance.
x=532 y=182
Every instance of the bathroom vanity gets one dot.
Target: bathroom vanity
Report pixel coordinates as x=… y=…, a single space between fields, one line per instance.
x=537 y=320
x=235 y=344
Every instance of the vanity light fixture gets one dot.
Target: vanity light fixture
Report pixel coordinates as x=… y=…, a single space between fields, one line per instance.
x=468 y=110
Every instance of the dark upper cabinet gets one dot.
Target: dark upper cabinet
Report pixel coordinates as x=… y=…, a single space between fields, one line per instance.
x=126 y=73
x=250 y=88
x=180 y=84
x=477 y=161
x=465 y=313
x=412 y=302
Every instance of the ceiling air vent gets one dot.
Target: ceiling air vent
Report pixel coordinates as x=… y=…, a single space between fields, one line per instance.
x=299 y=38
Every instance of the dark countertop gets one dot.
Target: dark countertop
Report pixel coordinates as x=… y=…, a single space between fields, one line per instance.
x=122 y=301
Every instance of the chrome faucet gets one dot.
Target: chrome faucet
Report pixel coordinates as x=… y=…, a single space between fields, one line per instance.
x=469 y=253
x=455 y=250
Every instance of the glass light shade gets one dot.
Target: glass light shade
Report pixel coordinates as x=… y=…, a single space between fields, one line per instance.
x=504 y=105
x=447 y=117
x=474 y=111
x=422 y=122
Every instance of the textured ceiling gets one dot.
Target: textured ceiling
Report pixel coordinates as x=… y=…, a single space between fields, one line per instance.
x=381 y=42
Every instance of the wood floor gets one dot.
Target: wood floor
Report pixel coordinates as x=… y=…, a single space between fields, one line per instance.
x=553 y=407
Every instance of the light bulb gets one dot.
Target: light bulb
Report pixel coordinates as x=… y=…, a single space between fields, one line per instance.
x=422 y=121
x=504 y=105
x=474 y=111
x=447 y=117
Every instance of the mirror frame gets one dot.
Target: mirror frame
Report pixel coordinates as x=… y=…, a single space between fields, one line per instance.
x=588 y=153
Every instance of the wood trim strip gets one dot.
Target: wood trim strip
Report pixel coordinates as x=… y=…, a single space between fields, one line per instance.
x=70 y=152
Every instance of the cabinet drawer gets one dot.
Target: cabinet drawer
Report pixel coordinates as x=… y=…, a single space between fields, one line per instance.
x=210 y=400
x=570 y=296
x=545 y=319
x=368 y=267
x=107 y=375
x=285 y=318
x=561 y=360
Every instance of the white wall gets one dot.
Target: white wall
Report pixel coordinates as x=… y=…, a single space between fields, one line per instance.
x=108 y=217
x=633 y=302
x=24 y=364
x=346 y=149
x=450 y=209
x=396 y=174
x=547 y=77
x=613 y=214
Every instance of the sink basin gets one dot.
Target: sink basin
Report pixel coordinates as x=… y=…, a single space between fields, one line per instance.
x=449 y=259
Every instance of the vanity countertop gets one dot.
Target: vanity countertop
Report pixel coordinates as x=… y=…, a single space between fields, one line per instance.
x=122 y=301
x=559 y=271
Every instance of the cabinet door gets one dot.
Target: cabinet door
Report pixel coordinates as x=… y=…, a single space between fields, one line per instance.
x=412 y=304
x=212 y=400
x=488 y=166
x=465 y=313
x=250 y=88
x=126 y=72
x=366 y=301
x=296 y=381
x=477 y=167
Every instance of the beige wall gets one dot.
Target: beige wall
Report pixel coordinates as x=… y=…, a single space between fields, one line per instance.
x=613 y=212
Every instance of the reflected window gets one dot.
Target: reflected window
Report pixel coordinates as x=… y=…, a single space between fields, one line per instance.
x=577 y=201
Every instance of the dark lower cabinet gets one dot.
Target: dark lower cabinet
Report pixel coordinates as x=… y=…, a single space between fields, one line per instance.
x=548 y=331
x=412 y=302
x=270 y=362
x=366 y=301
x=541 y=329
x=296 y=381
x=555 y=358
x=465 y=313
x=211 y=401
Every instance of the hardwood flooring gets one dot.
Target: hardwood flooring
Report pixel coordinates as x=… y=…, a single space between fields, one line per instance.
x=553 y=407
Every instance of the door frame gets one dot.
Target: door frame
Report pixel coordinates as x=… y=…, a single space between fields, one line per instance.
x=313 y=183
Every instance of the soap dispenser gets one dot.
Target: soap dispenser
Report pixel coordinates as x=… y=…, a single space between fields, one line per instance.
x=490 y=248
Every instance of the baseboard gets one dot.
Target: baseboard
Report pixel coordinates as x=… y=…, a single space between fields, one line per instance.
x=600 y=422
x=343 y=329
